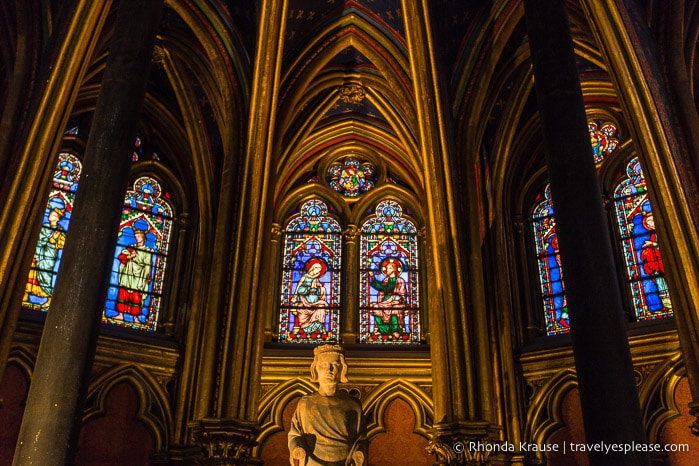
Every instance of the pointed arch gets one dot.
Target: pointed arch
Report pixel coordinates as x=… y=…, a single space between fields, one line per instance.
x=380 y=398
x=544 y=416
x=153 y=401
x=657 y=395
x=272 y=406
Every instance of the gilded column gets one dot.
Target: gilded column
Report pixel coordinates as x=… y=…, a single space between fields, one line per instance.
x=350 y=309
x=25 y=192
x=623 y=35
x=269 y=300
x=169 y=318
x=458 y=326
x=54 y=404
x=233 y=420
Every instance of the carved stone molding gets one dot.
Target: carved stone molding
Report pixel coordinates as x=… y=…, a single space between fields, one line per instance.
x=226 y=441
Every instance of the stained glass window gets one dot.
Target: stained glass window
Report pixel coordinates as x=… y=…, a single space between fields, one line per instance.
x=549 y=266
x=310 y=290
x=49 y=248
x=644 y=264
x=604 y=138
x=138 y=270
x=350 y=177
x=389 y=277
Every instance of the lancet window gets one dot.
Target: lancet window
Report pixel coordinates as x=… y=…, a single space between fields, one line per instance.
x=637 y=242
x=389 y=277
x=350 y=263
x=137 y=277
x=549 y=266
x=49 y=247
x=138 y=269
x=644 y=264
x=311 y=272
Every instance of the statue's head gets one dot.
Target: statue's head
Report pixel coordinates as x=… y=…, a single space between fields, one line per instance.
x=329 y=355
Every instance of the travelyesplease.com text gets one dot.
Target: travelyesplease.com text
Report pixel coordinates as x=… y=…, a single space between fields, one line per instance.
x=568 y=447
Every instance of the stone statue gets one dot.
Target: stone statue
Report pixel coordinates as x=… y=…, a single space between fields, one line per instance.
x=328 y=427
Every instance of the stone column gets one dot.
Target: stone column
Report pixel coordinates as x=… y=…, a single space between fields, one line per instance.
x=54 y=405
x=611 y=410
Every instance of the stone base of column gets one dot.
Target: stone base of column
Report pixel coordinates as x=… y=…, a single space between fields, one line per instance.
x=467 y=443
x=226 y=441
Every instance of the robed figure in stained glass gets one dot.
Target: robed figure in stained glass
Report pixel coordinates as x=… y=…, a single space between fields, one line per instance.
x=389 y=308
x=135 y=272
x=652 y=262
x=310 y=297
x=644 y=264
x=389 y=278
x=138 y=269
x=310 y=288
x=52 y=238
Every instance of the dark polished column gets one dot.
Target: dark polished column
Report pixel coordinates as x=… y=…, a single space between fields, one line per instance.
x=55 y=401
x=611 y=411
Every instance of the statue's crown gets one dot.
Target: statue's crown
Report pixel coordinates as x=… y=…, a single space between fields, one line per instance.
x=328 y=349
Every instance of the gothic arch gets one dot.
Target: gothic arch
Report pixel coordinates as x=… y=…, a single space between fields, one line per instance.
x=657 y=395
x=544 y=416
x=153 y=407
x=23 y=359
x=381 y=396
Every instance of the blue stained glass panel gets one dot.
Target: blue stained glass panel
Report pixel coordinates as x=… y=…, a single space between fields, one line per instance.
x=644 y=264
x=49 y=248
x=138 y=270
x=311 y=270
x=549 y=267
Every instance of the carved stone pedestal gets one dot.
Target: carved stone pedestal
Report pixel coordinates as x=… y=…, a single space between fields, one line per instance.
x=226 y=441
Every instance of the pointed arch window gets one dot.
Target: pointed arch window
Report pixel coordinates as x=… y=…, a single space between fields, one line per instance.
x=549 y=266
x=310 y=289
x=49 y=248
x=137 y=279
x=138 y=270
x=637 y=242
x=389 y=277
x=644 y=264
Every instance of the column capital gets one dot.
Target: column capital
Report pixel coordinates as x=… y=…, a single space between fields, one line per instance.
x=226 y=441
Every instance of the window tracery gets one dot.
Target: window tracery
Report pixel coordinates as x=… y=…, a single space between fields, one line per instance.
x=354 y=275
